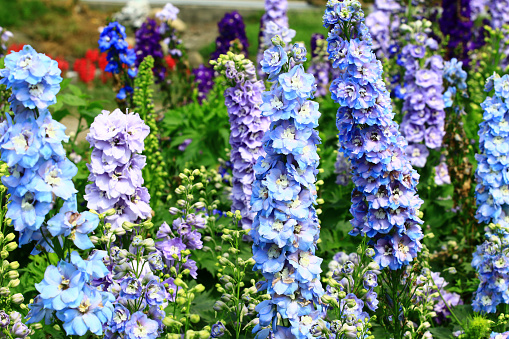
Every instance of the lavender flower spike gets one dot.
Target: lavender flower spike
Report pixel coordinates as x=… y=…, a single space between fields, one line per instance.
x=115 y=167
x=243 y=100
x=385 y=204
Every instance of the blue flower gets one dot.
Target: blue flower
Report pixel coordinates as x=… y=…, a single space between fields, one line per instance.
x=141 y=327
x=94 y=310
x=273 y=60
x=131 y=288
x=371 y=141
x=296 y=83
x=120 y=316
x=155 y=293
x=23 y=145
x=74 y=225
x=62 y=286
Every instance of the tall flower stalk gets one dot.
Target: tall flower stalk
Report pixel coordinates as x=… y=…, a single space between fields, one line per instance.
x=492 y=198
x=286 y=227
x=116 y=167
x=243 y=100
x=385 y=202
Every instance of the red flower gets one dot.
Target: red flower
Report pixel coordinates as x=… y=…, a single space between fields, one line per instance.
x=86 y=69
x=15 y=48
x=171 y=62
x=92 y=55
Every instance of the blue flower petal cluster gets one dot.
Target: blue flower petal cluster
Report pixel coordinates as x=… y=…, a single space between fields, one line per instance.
x=273 y=22
x=385 y=204
x=492 y=191
x=492 y=198
x=31 y=146
x=113 y=40
x=423 y=101
x=492 y=264
x=33 y=77
x=383 y=23
x=115 y=167
x=495 y=335
x=286 y=227
x=456 y=79
x=67 y=291
x=243 y=100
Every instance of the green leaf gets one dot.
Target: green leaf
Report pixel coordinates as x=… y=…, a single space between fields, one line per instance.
x=441 y=332
x=73 y=100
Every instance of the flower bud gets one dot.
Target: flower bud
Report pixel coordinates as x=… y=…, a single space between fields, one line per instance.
x=9 y=237
x=13 y=275
x=17 y=298
x=110 y=212
x=13 y=283
x=11 y=246
x=195 y=318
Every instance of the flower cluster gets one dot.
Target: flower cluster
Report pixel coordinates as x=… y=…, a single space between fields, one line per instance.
x=138 y=294
x=286 y=227
x=320 y=66
x=5 y=35
x=67 y=290
x=495 y=335
x=350 y=285
x=456 y=23
x=148 y=42
x=167 y=16
x=385 y=205
x=492 y=189
x=32 y=147
x=383 y=23
x=243 y=100
x=113 y=41
x=423 y=104
x=34 y=78
x=174 y=248
x=273 y=22
x=115 y=167
x=12 y=323
x=204 y=77
x=492 y=264
x=456 y=80
x=231 y=27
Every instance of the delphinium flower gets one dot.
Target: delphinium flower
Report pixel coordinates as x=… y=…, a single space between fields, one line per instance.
x=154 y=172
x=231 y=27
x=138 y=290
x=273 y=22
x=166 y=17
x=423 y=103
x=116 y=167
x=477 y=7
x=66 y=292
x=320 y=66
x=32 y=145
x=133 y=14
x=385 y=202
x=148 y=42
x=456 y=24
x=120 y=57
x=286 y=227
x=496 y=335
x=492 y=194
x=243 y=99
x=204 y=77
x=5 y=35
x=351 y=281
x=383 y=23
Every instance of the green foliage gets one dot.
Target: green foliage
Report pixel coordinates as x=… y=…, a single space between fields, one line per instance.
x=206 y=124
x=15 y=13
